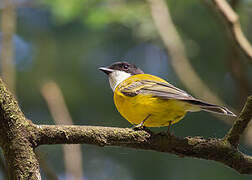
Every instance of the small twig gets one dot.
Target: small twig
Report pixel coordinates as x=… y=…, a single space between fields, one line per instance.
x=232 y=20
x=233 y=136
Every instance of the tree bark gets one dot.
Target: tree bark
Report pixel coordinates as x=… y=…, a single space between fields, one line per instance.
x=16 y=134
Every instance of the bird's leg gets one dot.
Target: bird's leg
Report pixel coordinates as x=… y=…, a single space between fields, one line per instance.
x=169 y=127
x=141 y=125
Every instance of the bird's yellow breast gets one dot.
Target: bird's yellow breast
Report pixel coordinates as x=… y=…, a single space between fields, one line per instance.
x=136 y=108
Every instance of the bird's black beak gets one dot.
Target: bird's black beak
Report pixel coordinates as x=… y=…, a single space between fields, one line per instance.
x=106 y=70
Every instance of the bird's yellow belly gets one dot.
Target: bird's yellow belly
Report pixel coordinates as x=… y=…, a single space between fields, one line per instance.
x=161 y=112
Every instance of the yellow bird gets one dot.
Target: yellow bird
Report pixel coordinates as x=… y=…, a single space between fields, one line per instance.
x=147 y=100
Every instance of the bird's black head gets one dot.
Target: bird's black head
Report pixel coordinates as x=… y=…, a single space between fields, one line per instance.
x=122 y=66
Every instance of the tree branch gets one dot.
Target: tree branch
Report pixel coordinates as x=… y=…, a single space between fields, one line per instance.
x=240 y=124
x=210 y=149
x=232 y=20
x=15 y=135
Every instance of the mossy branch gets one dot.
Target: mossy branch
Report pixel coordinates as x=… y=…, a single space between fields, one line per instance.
x=241 y=123
x=210 y=149
x=15 y=134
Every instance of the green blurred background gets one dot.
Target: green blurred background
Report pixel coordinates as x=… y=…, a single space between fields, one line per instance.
x=68 y=40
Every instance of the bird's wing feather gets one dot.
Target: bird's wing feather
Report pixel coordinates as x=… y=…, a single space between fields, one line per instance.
x=167 y=91
x=156 y=89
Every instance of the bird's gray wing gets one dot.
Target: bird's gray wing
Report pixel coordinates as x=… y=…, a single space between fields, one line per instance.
x=156 y=89
x=167 y=91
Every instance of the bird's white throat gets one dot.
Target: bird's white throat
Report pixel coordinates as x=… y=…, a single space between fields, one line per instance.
x=116 y=77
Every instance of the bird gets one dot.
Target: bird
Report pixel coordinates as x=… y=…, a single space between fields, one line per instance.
x=146 y=100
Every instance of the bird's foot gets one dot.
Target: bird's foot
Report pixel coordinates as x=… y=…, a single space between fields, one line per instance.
x=140 y=127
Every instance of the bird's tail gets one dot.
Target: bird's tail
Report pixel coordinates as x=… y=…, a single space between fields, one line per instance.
x=211 y=107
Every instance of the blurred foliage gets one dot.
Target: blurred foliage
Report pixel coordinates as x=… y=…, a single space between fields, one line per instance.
x=68 y=40
x=100 y=14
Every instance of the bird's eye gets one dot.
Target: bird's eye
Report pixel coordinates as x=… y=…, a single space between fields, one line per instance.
x=126 y=66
